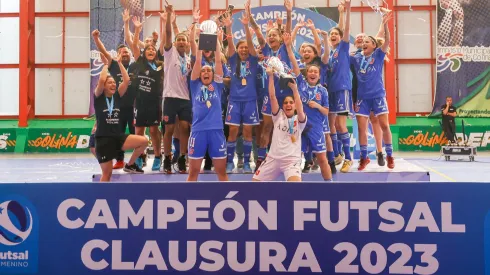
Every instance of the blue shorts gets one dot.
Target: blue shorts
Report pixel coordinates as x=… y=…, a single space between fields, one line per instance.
x=378 y=105
x=340 y=102
x=313 y=139
x=91 y=141
x=326 y=126
x=242 y=112
x=212 y=141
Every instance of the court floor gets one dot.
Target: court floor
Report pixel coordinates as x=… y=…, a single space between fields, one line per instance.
x=80 y=167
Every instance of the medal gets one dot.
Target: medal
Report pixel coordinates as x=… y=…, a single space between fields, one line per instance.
x=364 y=64
x=293 y=139
x=244 y=82
x=208 y=103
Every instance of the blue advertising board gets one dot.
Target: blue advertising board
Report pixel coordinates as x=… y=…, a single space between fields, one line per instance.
x=266 y=13
x=245 y=228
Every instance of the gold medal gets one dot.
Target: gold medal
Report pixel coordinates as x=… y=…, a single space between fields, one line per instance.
x=208 y=103
x=244 y=82
x=293 y=139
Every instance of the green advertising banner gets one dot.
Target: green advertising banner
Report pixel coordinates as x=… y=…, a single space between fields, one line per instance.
x=430 y=138
x=57 y=140
x=7 y=140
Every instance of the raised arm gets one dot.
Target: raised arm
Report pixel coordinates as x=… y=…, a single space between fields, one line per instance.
x=228 y=22
x=127 y=33
x=298 y=26
x=196 y=70
x=245 y=20
x=123 y=87
x=386 y=44
x=289 y=9
x=218 y=65
x=164 y=17
x=256 y=28
x=287 y=41
x=347 y=22
x=102 y=78
x=168 y=29
x=175 y=28
x=100 y=46
x=297 y=101
x=326 y=46
x=272 y=91
x=316 y=38
x=341 y=23
x=192 y=33
x=136 y=40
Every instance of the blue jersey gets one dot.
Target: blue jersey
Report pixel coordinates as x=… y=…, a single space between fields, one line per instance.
x=205 y=118
x=339 y=68
x=243 y=78
x=316 y=93
x=262 y=84
x=282 y=54
x=369 y=72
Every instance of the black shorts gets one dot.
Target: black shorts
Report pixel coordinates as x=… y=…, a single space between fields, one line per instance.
x=91 y=141
x=173 y=107
x=146 y=115
x=107 y=148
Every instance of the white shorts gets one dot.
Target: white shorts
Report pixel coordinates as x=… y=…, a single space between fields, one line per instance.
x=271 y=168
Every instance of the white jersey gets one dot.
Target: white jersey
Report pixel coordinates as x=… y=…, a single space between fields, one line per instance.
x=282 y=146
x=176 y=69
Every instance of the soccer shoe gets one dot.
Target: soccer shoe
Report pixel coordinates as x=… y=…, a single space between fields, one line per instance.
x=339 y=159
x=363 y=163
x=167 y=165
x=333 y=168
x=133 y=169
x=139 y=162
x=257 y=164
x=346 y=166
x=246 y=168
x=156 y=164
x=119 y=165
x=229 y=167
x=381 y=159
x=307 y=167
x=391 y=162
x=181 y=164
x=240 y=163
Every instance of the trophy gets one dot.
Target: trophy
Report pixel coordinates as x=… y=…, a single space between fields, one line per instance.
x=278 y=67
x=208 y=37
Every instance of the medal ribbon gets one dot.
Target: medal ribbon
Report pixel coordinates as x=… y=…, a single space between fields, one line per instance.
x=110 y=105
x=153 y=66
x=330 y=57
x=243 y=69
x=365 y=64
x=183 y=65
x=310 y=98
x=291 y=125
x=205 y=92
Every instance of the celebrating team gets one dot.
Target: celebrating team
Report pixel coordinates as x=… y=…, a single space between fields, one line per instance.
x=206 y=94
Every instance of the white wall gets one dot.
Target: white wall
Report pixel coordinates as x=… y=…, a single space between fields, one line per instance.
x=414 y=80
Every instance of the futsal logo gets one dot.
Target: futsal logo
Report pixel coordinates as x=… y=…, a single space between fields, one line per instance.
x=18 y=236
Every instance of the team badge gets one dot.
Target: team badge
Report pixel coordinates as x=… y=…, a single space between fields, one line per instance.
x=211 y=87
x=318 y=96
x=357 y=106
x=372 y=61
x=191 y=151
x=147 y=72
x=336 y=54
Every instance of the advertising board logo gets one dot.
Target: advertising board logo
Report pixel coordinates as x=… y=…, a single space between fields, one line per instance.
x=15 y=223
x=18 y=237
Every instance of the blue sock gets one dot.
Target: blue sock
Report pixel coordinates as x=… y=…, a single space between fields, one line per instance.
x=230 y=150
x=339 y=142
x=176 y=143
x=308 y=154
x=346 y=145
x=364 y=152
x=247 y=149
x=334 y=144
x=389 y=149
x=261 y=153
x=330 y=156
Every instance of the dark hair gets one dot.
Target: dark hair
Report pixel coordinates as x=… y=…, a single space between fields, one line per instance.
x=339 y=30
x=287 y=97
x=181 y=34
x=142 y=62
x=238 y=63
x=121 y=46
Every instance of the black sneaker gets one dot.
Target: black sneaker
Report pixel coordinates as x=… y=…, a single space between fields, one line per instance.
x=133 y=169
x=175 y=158
x=381 y=159
x=167 y=165
x=333 y=167
x=181 y=165
x=308 y=165
x=257 y=164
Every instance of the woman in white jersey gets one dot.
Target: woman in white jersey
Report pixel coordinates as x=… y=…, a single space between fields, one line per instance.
x=285 y=153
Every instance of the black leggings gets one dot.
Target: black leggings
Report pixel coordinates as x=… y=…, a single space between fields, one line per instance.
x=126 y=118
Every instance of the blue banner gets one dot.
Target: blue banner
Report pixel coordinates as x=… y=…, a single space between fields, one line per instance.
x=266 y=13
x=245 y=228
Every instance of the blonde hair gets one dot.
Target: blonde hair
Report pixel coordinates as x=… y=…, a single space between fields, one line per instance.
x=379 y=42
